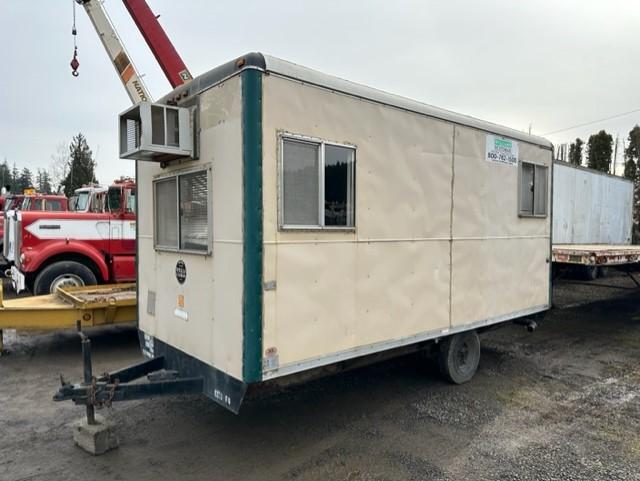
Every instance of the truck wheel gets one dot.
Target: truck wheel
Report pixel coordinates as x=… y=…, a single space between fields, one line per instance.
x=63 y=274
x=459 y=357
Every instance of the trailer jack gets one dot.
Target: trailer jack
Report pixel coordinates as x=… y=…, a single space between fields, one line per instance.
x=94 y=435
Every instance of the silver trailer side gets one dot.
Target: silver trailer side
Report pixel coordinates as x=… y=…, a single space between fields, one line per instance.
x=591 y=207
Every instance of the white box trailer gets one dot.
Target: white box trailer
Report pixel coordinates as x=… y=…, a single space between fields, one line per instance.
x=591 y=207
x=592 y=219
x=315 y=220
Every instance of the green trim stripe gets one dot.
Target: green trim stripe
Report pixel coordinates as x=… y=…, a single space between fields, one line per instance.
x=252 y=225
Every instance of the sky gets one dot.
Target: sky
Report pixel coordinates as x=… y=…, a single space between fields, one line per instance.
x=545 y=64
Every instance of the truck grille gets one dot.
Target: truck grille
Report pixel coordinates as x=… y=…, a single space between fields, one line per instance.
x=5 y=237
x=17 y=233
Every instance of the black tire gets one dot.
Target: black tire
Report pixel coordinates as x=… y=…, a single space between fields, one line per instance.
x=459 y=357
x=73 y=271
x=591 y=273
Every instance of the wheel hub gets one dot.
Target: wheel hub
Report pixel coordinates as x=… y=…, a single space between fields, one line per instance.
x=66 y=280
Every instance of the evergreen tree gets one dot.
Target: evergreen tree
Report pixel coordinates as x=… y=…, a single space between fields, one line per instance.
x=38 y=181
x=575 y=152
x=600 y=150
x=15 y=177
x=46 y=187
x=81 y=166
x=632 y=171
x=25 y=180
x=5 y=174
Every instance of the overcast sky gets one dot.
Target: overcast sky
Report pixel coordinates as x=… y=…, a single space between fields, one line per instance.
x=548 y=63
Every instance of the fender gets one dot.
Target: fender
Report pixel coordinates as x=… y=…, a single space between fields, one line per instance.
x=46 y=250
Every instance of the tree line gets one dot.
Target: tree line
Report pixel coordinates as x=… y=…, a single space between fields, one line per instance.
x=16 y=180
x=71 y=167
x=599 y=149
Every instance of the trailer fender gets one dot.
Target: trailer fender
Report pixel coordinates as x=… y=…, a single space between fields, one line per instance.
x=34 y=260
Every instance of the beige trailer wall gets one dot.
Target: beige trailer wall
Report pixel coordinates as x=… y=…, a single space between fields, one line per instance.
x=500 y=260
x=396 y=277
x=213 y=287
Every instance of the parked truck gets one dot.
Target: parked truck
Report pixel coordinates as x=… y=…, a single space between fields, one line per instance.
x=89 y=198
x=27 y=202
x=95 y=245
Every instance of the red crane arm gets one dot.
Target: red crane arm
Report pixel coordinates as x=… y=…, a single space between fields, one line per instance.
x=158 y=41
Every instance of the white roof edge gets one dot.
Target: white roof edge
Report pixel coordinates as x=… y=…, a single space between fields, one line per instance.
x=589 y=170
x=314 y=77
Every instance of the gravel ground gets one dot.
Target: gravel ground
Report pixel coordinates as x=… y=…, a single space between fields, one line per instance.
x=562 y=403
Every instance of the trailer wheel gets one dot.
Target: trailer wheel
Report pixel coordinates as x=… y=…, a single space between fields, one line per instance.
x=459 y=357
x=591 y=273
x=63 y=274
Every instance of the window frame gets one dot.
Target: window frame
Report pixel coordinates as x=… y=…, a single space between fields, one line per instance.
x=533 y=214
x=320 y=143
x=175 y=175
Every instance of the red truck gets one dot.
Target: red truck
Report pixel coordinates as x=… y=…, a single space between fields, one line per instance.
x=94 y=245
x=39 y=202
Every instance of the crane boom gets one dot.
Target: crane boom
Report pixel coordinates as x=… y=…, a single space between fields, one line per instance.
x=113 y=45
x=158 y=41
x=165 y=53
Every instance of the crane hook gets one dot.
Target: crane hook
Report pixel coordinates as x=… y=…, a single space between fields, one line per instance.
x=75 y=63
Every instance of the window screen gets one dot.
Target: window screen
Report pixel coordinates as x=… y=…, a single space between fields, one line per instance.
x=533 y=189
x=194 y=220
x=301 y=183
x=318 y=184
x=166 y=213
x=540 y=191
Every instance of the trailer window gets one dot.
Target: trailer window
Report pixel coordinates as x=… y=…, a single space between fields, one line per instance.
x=533 y=189
x=182 y=212
x=317 y=185
x=194 y=218
x=166 y=213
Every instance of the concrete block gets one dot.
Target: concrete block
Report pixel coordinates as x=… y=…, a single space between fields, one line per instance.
x=95 y=438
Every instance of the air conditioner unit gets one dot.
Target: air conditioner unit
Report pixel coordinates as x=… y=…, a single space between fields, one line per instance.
x=155 y=132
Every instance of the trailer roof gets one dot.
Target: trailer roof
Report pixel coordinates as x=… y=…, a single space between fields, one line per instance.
x=297 y=72
x=591 y=171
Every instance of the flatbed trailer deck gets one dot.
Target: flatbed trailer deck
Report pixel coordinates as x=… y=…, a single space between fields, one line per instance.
x=88 y=305
x=596 y=254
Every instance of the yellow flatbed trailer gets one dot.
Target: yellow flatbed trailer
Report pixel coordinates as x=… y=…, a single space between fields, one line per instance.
x=89 y=305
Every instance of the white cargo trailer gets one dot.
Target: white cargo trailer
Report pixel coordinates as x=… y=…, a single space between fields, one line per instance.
x=592 y=219
x=591 y=207
x=289 y=220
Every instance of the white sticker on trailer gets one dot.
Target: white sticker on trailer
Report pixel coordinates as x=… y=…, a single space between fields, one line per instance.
x=501 y=150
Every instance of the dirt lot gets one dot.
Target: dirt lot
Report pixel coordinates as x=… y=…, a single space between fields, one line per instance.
x=562 y=403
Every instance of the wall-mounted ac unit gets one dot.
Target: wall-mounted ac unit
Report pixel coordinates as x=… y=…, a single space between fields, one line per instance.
x=155 y=132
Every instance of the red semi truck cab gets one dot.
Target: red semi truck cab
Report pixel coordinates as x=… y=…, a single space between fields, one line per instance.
x=37 y=202
x=93 y=245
